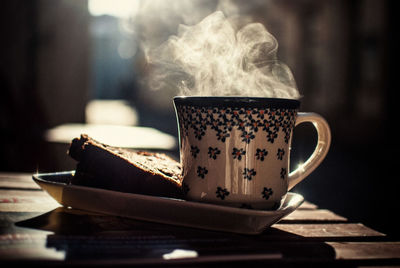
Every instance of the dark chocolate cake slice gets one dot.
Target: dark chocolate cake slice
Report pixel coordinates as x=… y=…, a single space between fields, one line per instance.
x=107 y=167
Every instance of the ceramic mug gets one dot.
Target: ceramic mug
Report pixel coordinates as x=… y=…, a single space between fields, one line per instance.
x=235 y=151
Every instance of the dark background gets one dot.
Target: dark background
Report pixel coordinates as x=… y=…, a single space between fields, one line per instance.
x=55 y=57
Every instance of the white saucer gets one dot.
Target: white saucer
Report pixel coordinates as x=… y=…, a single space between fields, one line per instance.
x=163 y=209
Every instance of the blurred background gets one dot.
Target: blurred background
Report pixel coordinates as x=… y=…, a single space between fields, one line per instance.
x=68 y=67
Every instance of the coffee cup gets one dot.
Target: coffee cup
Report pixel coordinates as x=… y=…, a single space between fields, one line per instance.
x=235 y=151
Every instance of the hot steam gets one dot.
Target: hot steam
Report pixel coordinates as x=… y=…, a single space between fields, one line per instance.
x=213 y=59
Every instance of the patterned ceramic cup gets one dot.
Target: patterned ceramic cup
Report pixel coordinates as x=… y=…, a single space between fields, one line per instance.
x=235 y=150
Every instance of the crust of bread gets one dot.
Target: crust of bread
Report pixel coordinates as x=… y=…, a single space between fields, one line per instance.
x=103 y=166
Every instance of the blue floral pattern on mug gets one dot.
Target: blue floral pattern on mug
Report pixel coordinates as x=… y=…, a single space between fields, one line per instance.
x=194 y=150
x=222 y=193
x=201 y=172
x=283 y=173
x=266 y=193
x=213 y=152
x=247 y=136
x=222 y=135
x=249 y=173
x=223 y=120
x=258 y=136
x=238 y=153
x=261 y=154
x=280 y=153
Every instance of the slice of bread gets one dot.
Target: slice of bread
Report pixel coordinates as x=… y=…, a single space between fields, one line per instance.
x=107 y=167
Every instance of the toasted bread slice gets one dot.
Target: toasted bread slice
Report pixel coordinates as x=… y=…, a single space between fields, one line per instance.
x=118 y=169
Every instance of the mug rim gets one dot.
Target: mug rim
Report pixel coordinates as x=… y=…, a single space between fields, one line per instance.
x=236 y=101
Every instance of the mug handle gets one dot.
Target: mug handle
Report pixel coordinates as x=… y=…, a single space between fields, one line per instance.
x=320 y=151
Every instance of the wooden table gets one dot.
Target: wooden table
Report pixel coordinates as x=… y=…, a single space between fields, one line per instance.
x=35 y=230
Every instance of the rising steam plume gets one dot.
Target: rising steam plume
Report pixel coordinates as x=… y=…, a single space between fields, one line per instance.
x=214 y=58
